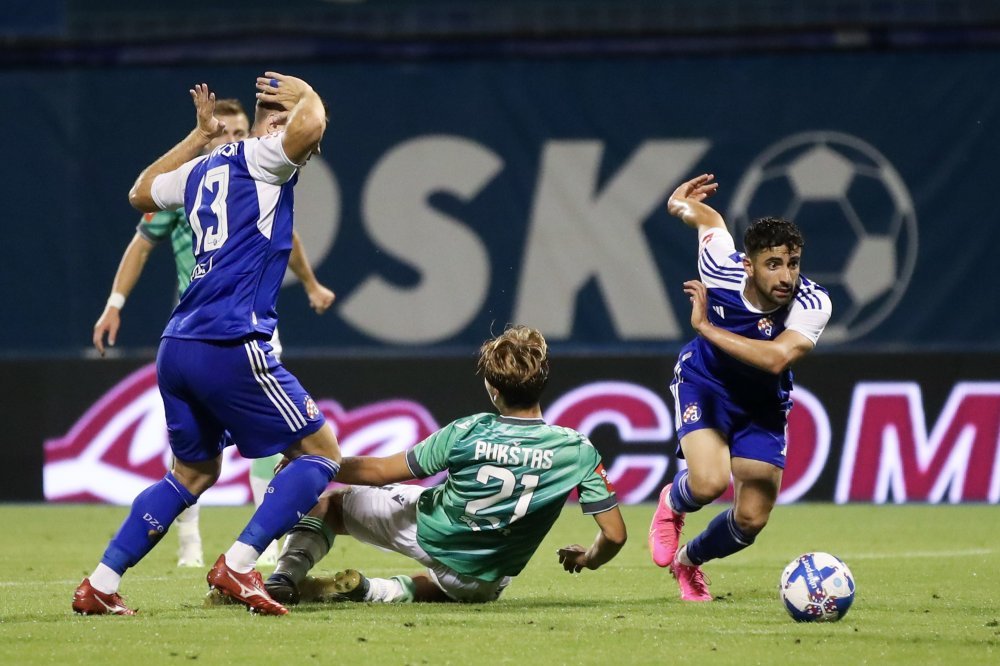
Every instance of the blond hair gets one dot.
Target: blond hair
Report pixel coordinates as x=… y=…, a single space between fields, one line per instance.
x=516 y=363
x=229 y=106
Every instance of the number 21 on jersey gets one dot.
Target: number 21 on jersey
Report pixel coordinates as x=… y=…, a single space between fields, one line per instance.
x=476 y=508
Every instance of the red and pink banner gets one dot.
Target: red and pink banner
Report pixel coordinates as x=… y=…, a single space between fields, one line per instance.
x=878 y=441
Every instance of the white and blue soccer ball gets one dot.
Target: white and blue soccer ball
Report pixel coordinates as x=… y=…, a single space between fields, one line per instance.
x=817 y=587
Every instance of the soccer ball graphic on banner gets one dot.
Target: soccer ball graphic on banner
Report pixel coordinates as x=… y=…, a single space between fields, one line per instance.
x=817 y=587
x=855 y=212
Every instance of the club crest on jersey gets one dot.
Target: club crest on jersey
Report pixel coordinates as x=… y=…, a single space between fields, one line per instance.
x=765 y=326
x=312 y=411
x=692 y=413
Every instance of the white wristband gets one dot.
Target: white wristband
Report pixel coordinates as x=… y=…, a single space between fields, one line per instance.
x=116 y=300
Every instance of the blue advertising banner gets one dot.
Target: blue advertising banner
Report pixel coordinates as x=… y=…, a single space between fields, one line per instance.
x=454 y=196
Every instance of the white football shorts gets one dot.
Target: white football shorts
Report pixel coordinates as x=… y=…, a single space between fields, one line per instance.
x=387 y=517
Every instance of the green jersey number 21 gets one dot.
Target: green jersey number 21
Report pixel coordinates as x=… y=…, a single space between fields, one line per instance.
x=509 y=484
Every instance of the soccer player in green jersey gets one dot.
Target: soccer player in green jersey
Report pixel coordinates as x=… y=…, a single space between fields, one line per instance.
x=154 y=229
x=509 y=475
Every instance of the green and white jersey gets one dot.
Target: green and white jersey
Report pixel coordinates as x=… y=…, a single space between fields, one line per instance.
x=172 y=224
x=508 y=479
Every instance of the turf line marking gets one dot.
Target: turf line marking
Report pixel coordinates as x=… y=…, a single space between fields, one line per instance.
x=380 y=572
x=920 y=553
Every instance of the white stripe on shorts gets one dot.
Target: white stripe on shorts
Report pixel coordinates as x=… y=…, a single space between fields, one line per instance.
x=675 y=392
x=282 y=402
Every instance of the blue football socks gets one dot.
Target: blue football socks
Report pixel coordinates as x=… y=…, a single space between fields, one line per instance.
x=153 y=510
x=721 y=538
x=681 y=498
x=291 y=494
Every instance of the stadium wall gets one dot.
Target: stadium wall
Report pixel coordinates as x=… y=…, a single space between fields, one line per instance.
x=458 y=194
x=866 y=427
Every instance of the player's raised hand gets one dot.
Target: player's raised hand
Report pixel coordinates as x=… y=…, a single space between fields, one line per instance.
x=204 y=105
x=573 y=558
x=108 y=325
x=281 y=89
x=699 y=303
x=698 y=188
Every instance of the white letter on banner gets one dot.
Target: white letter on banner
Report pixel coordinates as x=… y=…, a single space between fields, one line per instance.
x=578 y=234
x=452 y=261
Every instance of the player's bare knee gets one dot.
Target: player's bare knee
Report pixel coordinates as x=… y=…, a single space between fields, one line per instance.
x=321 y=443
x=707 y=487
x=322 y=505
x=330 y=509
x=196 y=477
x=750 y=524
x=333 y=514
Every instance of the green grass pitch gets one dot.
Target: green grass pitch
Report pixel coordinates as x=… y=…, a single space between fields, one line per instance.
x=928 y=593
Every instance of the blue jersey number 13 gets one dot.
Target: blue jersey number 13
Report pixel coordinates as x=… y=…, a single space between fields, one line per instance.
x=209 y=236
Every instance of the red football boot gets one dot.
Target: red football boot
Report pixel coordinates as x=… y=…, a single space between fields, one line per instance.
x=89 y=601
x=246 y=588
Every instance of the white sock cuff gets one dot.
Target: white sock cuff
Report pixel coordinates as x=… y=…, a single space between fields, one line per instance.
x=241 y=557
x=105 y=579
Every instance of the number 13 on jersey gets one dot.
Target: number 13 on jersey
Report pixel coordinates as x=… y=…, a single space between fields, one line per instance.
x=216 y=184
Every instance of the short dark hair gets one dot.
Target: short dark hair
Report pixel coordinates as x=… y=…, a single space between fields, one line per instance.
x=516 y=363
x=768 y=232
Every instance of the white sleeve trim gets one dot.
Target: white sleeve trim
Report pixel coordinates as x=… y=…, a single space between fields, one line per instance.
x=809 y=314
x=168 y=188
x=267 y=161
x=720 y=266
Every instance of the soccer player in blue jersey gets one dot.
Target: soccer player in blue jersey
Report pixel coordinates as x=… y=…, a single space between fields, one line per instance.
x=172 y=225
x=509 y=475
x=214 y=367
x=755 y=316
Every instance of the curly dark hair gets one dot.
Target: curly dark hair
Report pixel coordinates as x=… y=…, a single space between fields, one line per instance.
x=768 y=232
x=516 y=363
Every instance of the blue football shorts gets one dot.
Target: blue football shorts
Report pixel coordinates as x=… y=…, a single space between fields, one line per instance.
x=756 y=432
x=210 y=388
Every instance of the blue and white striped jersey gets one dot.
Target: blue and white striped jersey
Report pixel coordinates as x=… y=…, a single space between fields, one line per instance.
x=721 y=268
x=239 y=203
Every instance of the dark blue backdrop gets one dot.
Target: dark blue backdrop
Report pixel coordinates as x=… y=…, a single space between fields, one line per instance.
x=462 y=195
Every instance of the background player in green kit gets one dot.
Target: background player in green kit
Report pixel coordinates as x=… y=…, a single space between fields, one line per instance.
x=156 y=228
x=508 y=478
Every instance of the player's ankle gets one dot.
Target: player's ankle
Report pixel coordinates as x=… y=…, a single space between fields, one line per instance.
x=398 y=589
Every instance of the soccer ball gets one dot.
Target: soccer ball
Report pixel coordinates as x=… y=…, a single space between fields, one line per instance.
x=817 y=587
x=855 y=212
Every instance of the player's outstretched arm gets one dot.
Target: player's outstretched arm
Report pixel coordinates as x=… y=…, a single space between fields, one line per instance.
x=374 y=471
x=774 y=356
x=129 y=270
x=208 y=127
x=306 y=115
x=687 y=202
x=320 y=297
x=607 y=544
